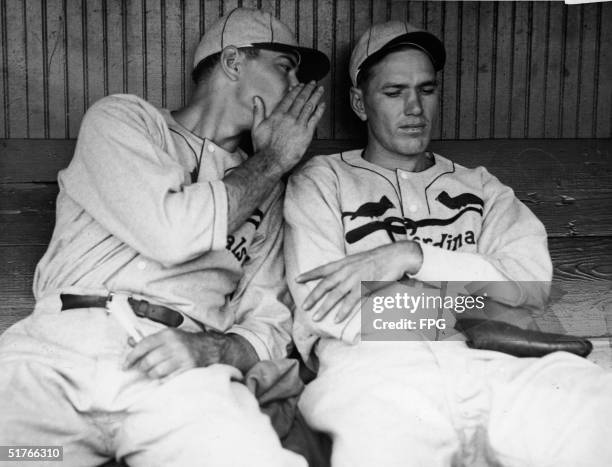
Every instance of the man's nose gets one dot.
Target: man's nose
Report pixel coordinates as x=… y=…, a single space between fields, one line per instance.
x=412 y=104
x=293 y=80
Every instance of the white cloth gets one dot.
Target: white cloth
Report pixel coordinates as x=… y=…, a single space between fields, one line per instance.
x=132 y=217
x=470 y=226
x=62 y=384
x=431 y=404
x=424 y=403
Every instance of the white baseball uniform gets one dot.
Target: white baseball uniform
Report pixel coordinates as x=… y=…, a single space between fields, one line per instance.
x=435 y=403
x=142 y=210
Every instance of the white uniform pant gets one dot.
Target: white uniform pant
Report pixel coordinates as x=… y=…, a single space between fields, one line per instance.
x=62 y=383
x=432 y=404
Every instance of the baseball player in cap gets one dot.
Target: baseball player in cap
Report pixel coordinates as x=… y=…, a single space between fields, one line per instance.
x=163 y=280
x=395 y=209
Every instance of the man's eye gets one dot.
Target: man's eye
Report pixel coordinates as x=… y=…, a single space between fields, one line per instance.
x=392 y=93
x=428 y=90
x=285 y=68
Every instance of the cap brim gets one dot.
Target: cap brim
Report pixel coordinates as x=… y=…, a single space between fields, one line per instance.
x=422 y=40
x=314 y=65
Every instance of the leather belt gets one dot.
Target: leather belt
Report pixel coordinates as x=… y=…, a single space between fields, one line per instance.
x=141 y=308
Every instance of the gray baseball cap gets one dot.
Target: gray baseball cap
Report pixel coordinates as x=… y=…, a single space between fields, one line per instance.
x=246 y=27
x=381 y=39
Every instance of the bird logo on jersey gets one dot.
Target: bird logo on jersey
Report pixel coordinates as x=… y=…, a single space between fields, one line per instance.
x=459 y=201
x=375 y=209
x=463 y=203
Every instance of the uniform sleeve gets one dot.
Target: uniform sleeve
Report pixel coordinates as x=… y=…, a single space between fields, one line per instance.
x=123 y=177
x=314 y=237
x=261 y=303
x=512 y=249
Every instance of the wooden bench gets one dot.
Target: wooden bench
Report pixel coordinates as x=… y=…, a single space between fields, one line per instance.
x=567 y=183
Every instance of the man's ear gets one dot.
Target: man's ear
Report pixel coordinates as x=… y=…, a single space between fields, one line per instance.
x=357 y=103
x=231 y=62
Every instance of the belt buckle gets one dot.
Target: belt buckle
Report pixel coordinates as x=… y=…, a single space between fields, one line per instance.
x=118 y=307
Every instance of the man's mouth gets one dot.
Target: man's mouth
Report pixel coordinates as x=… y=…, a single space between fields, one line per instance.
x=413 y=129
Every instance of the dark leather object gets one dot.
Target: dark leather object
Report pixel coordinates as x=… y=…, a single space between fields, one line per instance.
x=141 y=308
x=489 y=334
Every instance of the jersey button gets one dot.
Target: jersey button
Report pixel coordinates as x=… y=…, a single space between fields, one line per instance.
x=141 y=265
x=210 y=148
x=404 y=175
x=413 y=208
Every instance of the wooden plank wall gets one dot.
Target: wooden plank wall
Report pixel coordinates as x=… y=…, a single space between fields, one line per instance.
x=515 y=69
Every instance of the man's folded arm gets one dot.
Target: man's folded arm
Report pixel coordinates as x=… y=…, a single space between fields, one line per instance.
x=512 y=248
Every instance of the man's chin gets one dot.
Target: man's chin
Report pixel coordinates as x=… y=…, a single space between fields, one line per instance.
x=413 y=147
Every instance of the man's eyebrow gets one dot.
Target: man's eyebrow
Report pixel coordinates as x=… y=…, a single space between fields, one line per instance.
x=433 y=82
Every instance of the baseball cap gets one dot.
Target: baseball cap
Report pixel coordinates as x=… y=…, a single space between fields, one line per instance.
x=247 y=27
x=380 y=39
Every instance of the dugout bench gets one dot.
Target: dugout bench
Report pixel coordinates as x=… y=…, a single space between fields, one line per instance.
x=566 y=183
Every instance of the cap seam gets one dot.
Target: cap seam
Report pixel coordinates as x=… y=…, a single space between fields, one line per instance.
x=225 y=25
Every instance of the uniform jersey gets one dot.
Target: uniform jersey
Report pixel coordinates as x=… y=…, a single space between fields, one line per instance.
x=142 y=209
x=470 y=227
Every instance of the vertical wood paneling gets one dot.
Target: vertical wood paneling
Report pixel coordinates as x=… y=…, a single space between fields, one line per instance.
x=325 y=41
x=452 y=41
x=554 y=71
x=415 y=14
x=36 y=70
x=95 y=44
x=154 y=89
x=399 y=11
x=191 y=35
x=4 y=117
x=537 y=71
x=486 y=30
x=380 y=10
x=55 y=56
x=287 y=12
x=571 y=71
x=213 y=9
x=174 y=55
x=514 y=69
x=466 y=100
x=17 y=109
x=344 y=118
x=435 y=24
x=587 y=73
x=75 y=69
x=115 y=47
x=136 y=77
x=503 y=81
x=604 y=88
x=306 y=17
x=520 y=69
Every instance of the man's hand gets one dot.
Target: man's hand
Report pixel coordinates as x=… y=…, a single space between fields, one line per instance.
x=285 y=134
x=341 y=280
x=172 y=351
x=280 y=140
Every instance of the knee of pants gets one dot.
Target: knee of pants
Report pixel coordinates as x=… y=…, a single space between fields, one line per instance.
x=201 y=417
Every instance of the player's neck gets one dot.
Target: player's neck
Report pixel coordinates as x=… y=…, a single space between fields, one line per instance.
x=209 y=116
x=392 y=161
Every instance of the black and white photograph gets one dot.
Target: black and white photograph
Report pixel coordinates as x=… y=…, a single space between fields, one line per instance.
x=305 y=233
